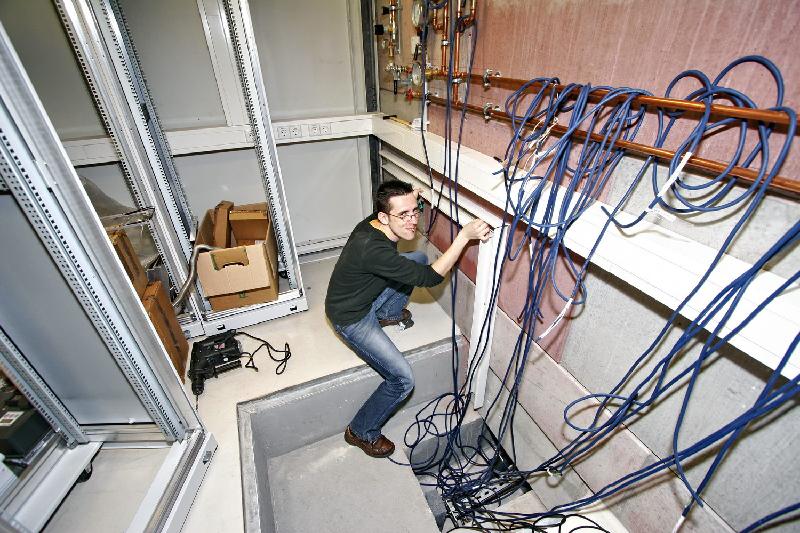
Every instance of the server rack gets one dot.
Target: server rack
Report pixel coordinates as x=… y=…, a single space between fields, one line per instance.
x=106 y=52
x=40 y=190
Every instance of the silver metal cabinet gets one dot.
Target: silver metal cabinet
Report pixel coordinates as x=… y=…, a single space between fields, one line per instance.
x=105 y=48
x=74 y=336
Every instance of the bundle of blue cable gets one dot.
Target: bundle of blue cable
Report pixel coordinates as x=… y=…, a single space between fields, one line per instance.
x=545 y=195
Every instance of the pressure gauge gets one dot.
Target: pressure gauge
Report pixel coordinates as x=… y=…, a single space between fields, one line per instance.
x=416 y=14
x=416 y=74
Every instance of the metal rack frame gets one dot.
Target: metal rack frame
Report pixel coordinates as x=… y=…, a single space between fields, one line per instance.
x=124 y=105
x=35 y=169
x=108 y=58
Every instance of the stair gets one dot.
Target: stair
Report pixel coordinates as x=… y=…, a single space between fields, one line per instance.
x=299 y=475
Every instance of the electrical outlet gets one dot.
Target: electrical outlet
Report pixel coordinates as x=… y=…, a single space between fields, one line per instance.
x=295 y=131
x=282 y=132
x=324 y=129
x=313 y=129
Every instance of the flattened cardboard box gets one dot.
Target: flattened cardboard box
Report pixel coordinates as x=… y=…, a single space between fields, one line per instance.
x=242 y=275
x=222 y=231
x=162 y=315
x=130 y=260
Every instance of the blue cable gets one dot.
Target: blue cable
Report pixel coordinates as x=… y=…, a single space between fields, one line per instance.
x=582 y=184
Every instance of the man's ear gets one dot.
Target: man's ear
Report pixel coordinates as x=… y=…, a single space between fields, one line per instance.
x=383 y=218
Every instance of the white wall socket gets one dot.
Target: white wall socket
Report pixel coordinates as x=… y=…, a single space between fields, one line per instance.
x=324 y=129
x=282 y=132
x=295 y=131
x=313 y=129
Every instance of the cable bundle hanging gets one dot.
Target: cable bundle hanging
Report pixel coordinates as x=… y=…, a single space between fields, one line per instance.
x=547 y=193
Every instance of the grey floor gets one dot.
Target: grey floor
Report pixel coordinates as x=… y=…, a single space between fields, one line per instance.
x=110 y=498
x=316 y=352
x=353 y=491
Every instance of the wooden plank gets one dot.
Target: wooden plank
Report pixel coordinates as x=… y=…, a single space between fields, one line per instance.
x=162 y=315
x=130 y=260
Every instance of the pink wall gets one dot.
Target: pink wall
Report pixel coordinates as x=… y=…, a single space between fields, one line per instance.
x=635 y=43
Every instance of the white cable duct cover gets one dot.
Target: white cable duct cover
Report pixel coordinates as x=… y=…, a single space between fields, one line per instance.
x=655 y=260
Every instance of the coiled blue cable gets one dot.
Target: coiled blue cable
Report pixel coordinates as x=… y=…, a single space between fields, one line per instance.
x=596 y=161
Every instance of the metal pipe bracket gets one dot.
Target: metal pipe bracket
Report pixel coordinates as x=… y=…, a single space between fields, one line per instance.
x=487 y=76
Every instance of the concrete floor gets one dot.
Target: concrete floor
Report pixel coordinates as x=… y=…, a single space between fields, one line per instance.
x=357 y=492
x=316 y=352
x=120 y=479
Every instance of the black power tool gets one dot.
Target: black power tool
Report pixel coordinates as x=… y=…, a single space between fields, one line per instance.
x=212 y=356
x=222 y=352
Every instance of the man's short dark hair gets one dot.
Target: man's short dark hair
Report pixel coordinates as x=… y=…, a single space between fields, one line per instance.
x=390 y=189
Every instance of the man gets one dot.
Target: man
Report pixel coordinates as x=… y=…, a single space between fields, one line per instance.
x=369 y=289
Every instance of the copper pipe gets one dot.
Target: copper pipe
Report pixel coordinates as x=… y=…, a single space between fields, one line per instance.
x=456 y=49
x=445 y=36
x=747 y=176
x=436 y=26
x=462 y=25
x=395 y=31
x=470 y=20
x=746 y=113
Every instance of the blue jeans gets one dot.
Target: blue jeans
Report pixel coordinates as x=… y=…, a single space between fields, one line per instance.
x=367 y=339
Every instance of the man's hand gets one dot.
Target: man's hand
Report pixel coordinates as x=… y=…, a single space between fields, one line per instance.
x=416 y=192
x=477 y=229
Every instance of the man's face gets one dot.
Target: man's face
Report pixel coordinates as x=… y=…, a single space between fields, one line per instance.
x=402 y=217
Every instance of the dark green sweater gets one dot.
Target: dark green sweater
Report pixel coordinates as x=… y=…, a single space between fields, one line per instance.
x=368 y=264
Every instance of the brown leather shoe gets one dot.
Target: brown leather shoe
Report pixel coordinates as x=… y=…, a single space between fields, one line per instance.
x=405 y=318
x=382 y=447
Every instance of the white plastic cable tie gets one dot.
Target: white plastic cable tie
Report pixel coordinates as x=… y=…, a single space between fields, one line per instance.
x=558 y=319
x=551 y=472
x=678 y=524
x=538 y=153
x=656 y=209
x=533 y=155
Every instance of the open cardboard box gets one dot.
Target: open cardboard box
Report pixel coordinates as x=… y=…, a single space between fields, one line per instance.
x=247 y=272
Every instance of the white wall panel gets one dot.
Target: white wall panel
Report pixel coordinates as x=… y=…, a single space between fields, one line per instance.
x=323 y=188
x=306 y=60
x=38 y=37
x=171 y=44
x=209 y=178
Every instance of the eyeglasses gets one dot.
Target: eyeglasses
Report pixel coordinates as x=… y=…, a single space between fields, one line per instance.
x=408 y=215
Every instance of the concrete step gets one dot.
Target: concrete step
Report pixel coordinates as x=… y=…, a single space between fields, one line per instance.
x=330 y=486
x=526 y=503
x=299 y=475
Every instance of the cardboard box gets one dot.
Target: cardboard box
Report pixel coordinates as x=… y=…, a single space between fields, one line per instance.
x=241 y=275
x=159 y=308
x=130 y=260
x=243 y=299
x=247 y=222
